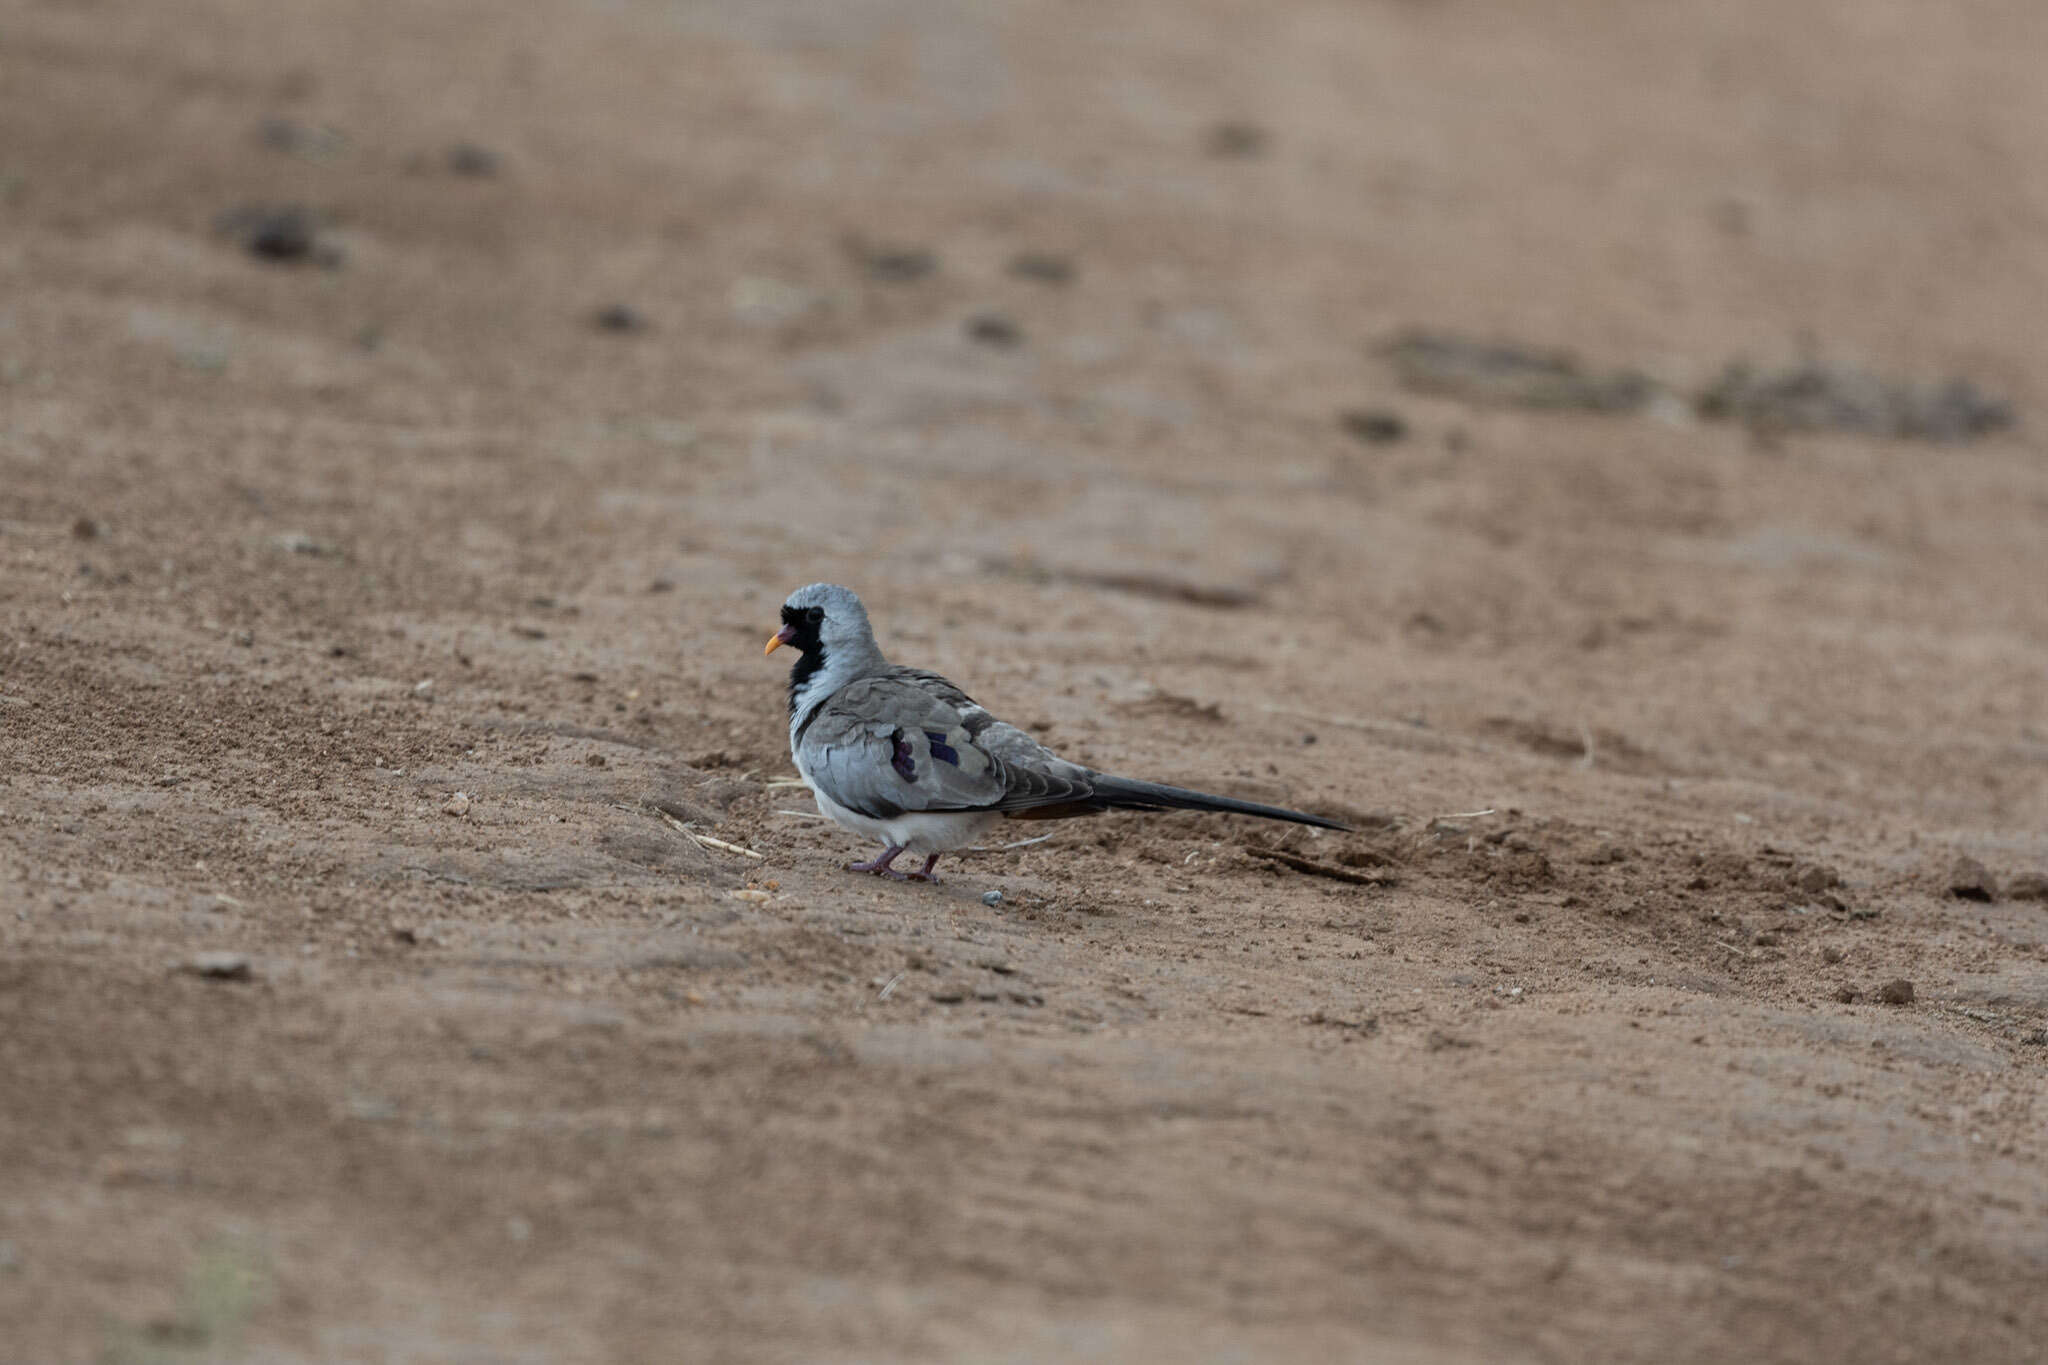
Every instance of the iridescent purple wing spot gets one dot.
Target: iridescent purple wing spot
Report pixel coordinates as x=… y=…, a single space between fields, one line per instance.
x=901 y=760
x=941 y=750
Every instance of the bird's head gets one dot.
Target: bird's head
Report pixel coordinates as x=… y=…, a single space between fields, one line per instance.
x=823 y=618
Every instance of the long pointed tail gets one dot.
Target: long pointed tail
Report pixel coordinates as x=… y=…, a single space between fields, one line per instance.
x=1123 y=793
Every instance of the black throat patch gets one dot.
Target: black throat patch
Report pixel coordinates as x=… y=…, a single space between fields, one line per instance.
x=810 y=651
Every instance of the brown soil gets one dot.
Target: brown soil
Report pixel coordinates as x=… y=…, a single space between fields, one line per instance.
x=298 y=546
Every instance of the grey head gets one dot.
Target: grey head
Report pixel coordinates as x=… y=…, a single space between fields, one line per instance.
x=828 y=628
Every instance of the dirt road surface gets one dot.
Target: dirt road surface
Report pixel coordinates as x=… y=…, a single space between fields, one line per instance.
x=411 y=415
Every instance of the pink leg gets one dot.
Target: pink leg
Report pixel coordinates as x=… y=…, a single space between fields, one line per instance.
x=925 y=873
x=880 y=866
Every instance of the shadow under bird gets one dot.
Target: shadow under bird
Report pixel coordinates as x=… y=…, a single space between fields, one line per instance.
x=904 y=756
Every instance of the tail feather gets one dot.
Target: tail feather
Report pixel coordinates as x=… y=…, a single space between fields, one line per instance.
x=1123 y=793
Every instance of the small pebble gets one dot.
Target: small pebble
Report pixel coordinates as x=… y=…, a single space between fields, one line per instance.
x=282 y=232
x=1374 y=426
x=218 y=966
x=1814 y=878
x=2028 y=886
x=1898 y=991
x=1831 y=954
x=993 y=329
x=900 y=265
x=1968 y=880
x=1237 y=138
x=619 y=318
x=1042 y=267
x=991 y=898
x=457 y=805
x=466 y=158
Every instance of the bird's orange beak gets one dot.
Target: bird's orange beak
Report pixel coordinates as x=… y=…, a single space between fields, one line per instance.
x=779 y=639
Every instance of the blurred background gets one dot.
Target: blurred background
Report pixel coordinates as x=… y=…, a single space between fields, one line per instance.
x=1620 y=417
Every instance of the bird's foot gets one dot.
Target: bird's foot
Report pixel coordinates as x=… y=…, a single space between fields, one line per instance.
x=880 y=865
x=925 y=873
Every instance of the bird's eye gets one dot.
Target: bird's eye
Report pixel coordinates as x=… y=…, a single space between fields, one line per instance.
x=815 y=615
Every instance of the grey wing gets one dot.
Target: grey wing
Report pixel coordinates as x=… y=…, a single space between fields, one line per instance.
x=911 y=741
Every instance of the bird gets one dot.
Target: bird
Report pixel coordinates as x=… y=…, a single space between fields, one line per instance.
x=905 y=756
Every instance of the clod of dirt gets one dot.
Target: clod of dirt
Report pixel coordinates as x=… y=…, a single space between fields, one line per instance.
x=85 y=528
x=2028 y=886
x=1831 y=954
x=405 y=933
x=1898 y=991
x=219 y=966
x=456 y=805
x=1968 y=880
x=299 y=543
x=1812 y=396
x=1042 y=267
x=949 y=995
x=1847 y=994
x=467 y=158
x=619 y=318
x=1374 y=426
x=993 y=329
x=896 y=264
x=286 y=233
x=1813 y=878
x=1512 y=374
x=1236 y=138
x=302 y=140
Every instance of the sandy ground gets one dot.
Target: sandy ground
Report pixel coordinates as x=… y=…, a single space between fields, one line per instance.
x=296 y=550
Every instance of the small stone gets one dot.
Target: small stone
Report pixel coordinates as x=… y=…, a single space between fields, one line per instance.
x=300 y=543
x=2028 y=886
x=597 y=761
x=1968 y=880
x=950 y=995
x=1897 y=991
x=900 y=264
x=991 y=898
x=1814 y=878
x=1848 y=995
x=1831 y=954
x=405 y=933
x=285 y=233
x=219 y=966
x=1042 y=267
x=424 y=688
x=619 y=318
x=85 y=528
x=467 y=158
x=456 y=805
x=993 y=329
x=1374 y=426
x=1235 y=137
